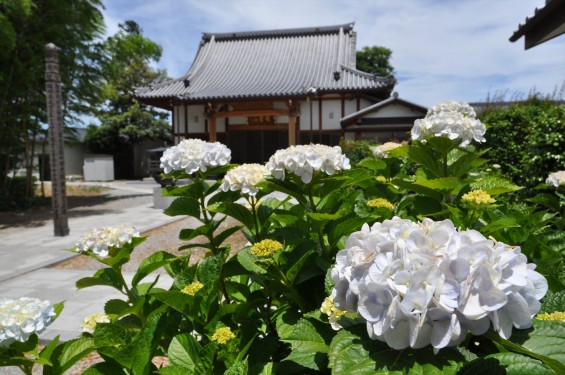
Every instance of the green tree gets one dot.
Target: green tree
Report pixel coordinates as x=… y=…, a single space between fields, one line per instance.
x=376 y=60
x=26 y=26
x=124 y=121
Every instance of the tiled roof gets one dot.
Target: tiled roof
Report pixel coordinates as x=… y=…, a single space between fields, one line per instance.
x=546 y=23
x=272 y=63
x=394 y=99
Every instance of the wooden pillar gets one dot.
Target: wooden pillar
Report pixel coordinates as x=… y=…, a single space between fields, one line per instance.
x=291 y=128
x=56 y=153
x=212 y=129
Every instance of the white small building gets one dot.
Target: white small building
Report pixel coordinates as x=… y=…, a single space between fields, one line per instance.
x=261 y=91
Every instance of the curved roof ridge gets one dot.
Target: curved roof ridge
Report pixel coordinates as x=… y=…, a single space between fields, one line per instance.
x=316 y=30
x=361 y=73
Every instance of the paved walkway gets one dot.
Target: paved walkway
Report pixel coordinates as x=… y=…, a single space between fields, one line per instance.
x=26 y=253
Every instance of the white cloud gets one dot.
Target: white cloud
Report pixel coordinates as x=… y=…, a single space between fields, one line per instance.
x=441 y=50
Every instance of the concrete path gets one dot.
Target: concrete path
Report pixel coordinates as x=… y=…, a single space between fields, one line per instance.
x=27 y=252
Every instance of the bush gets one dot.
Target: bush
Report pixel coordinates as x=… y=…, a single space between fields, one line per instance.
x=13 y=197
x=527 y=140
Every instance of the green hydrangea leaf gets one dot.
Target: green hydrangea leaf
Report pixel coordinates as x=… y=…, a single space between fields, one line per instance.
x=553 y=303
x=494 y=185
x=352 y=352
x=309 y=346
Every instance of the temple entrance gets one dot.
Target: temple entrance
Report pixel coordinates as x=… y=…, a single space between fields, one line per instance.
x=254 y=146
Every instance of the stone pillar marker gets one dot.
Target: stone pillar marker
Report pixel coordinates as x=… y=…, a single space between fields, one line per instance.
x=56 y=154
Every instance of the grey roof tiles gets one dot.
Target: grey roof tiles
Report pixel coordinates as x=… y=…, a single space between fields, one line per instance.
x=272 y=63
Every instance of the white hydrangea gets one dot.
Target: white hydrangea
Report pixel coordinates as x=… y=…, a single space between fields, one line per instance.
x=100 y=240
x=193 y=155
x=20 y=318
x=244 y=178
x=452 y=106
x=556 y=178
x=381 y=151
x=426 y=283
x=89 y=323
x=453 y=120
x=304 y=160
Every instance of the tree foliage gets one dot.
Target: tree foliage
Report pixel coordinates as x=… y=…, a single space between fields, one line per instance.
x=26 y=26
x=376 y=60
x=125 y=121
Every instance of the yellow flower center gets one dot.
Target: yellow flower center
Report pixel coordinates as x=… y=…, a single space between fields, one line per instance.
x=380 y=203
x=192 y=288
x=266 y=248
x=556 y=315
x=329 y=308
x=223 y=335
x=478 y=197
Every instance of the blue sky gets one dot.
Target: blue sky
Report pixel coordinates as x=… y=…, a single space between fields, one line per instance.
x=442 y=49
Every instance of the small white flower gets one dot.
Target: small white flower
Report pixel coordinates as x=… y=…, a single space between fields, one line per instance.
x=419 y=284
x=89 y=323
x=244 y=178
x=100 y=240
x=304 y=160
x=452 y=120
x=193 y=155
x=556 y=178
x=21 y=318
x=382 y=151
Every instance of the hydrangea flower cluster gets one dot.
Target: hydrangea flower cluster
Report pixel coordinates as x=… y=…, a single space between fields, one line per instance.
x=333 y=313
x=426 y=283
x=20 y=318
x=100 y=240
x=89 y=323
x=193 y=155
x=382 y=151
x=192 y=288
x=266 y=248
x=223 y=335
x=477 y=198
x=380 y=203
x=453 y=120
x=304 y=160
x=244 y=178
x=556 y=178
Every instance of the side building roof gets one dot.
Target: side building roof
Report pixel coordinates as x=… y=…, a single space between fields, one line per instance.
x=269 y=64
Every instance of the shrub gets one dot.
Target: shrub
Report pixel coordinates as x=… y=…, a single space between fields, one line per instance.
x=527 y=140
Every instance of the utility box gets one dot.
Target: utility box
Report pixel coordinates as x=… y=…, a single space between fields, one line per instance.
x=98 y=168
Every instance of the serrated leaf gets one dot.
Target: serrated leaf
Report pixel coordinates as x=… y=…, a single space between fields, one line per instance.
x=554 y=302
x=441 y=184
x=238 y=368
x=494 y=226
x=152 y=263
x=146 y=342
x=308 y=345
x=249 y=262
x=372 y=164
x=424 y=157
x=184 y=206
x=104 y=368
x=544 y=342
x=235 y=210
x=177 y=300
x=117 y=307
x=296 y=267
x=183 y=351
x=67 y=354
x=494 y=185
x=352 y=352
x=105 y=276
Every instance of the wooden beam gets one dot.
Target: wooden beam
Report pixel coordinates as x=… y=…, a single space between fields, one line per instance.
x=253 y=113
x=236 y=128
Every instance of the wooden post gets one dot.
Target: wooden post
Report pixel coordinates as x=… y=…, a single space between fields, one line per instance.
x=293 y=112
x=56 y=154
x=212 y=129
